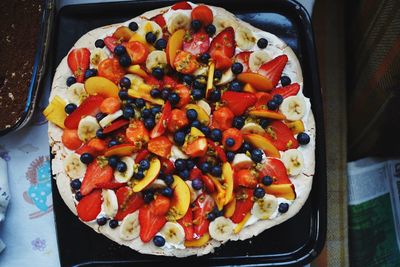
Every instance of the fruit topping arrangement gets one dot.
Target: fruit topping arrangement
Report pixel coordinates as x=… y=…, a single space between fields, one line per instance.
x=180 y=128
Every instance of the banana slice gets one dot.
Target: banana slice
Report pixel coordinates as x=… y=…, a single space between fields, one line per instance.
x=294 y=161
x=87 y=128
x=173 y=233
x=201 y=71
x=155 y=59
x=222 y=22
x=293 y=107
x=242 y=160
x=110 y=202
x=136 y=80
x=130 y=228
x=257 y=58
x=123 y=177
x=205 y=106
x=157 y=184
x=177 y=22
x=96 y=56
x=150 y=26
x=245 y=39
x=252 y=127
x=177 y=153
x=227 y=77
x=221 y=228
x=265 y=207
x=76 y=93
x=73 y=166
x=107 y=120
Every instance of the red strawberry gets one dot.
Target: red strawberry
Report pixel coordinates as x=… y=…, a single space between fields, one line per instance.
x=223 y=47
x=168 y=81
x=204 y=204
x=151 y=80
x=195 y=173
x=243 y=58
x=95 y=173
x=167 y=166
x=281 y=136
x=141 y=155
x=89 y=107
x=90 y=206
x=160 y=127
x=78 y=62
x=272 y=69
x=159 y=19
x=218 y=150
x=109 y=185
x=245 y=178
x=222 y=62
x=238 y=102
x=203 y=13
x=152 y=217
x=262 y=99
x=187 y=223
x=128 y=202
x=244 y=203
x=111 y=43
x=182 y=5
x=197 y=43
x=274 y=168
x=286 y=91
x=115 y=126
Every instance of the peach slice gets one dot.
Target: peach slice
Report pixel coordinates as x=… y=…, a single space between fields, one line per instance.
x=55 y=111
x=198 y=242
x=248 y=88
x=123 y=33
x=140 y=93
x=263 y=143
x=240 y=225
x=281 y=190
x=202 y=115
x=269 y=114
x=151 y=175
x=227 y=174
x=295 y=126
x=174 y=44
x=230 y=208
x=196 y=148
x=121 y=150
x=210 y=78
x=101 y=86
x=219 y=195
x=136 y=69
x=256 y=80
x=180 y=199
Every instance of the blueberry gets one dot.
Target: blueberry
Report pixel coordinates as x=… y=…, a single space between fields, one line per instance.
x=230 y=142
x=113 y=224
x=238 y=122
x=113 y=161
x=262 y=43
x=167 y=192
x=155 y=93
x=184 y=174
x=283 y=207
x=120 y=50
x=188 y=79
x=159 y=241
x=217 y=74
x=133 y=26
x=138 y=175
x=76 y=184
x=158 y=73
x=151 y=37
x=256 y=155
x=196 y=124
x=303 y=138
x=140 y=103
x=245 y=147
x=128 y=112
x=191 y=114
x=168 y=179
x=205 y=167
x=259 y=192
x=149 y=123
x=215 y=95
x=235 y=86
x=125 y=83
x=160 y=44
x=69 y=108
x=217 y=212
x=121 y=166
x=190 y=164
x=197 y=94
x=123 y=95
x=71 y=80
x=78 y=196
x=264 y=123
x=179 y=138
x=195 y=25
x=87 y=158
x=125 y=61
x=174 y=99
x=100 y=134
x=180 y=164
x=237 y=68
x=230 y=156
x=90 y=73
x=267 y=180
x=146 y=113
x=204 y=58
x=210 y=29
x=148 y=196
x=216 y=171
x=155 y=110
x=206 y=131
x=216 y=135
x=278 y=99
x=144 y=164
x=197 y=184
x=99 y=43
x=113 y=143
x=211 y=216
x=165 y=93
x=272 y=105
x=101 y=220
x=285 y=80
x=200 y=83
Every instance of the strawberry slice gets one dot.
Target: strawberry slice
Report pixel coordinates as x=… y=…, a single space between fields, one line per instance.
x=208 y=183
x=109 y=185
x=111 y=43
x=286 y=91
x=128 y=202
x=167 y=166
x=161 y=146
x=195 y=173
x=281 y=136
x=197 y=43
x=272 y=69
x=89 y=107
x=89 y=206
x=187 y=223
x=152 y=217
x=274 y=168
x=222 y=48
x=262 y=99
x=160 y=127
x=219 y=152
x=238 y=102
x=115 y=126
x=182 y=5
x=244 y=203
x=204 y=204
x=159 y=19
x=203 y=13
x=96 y=173
x=243 y=58
x=169 y=82
x=245 y=178
x=141 y=155
x=151 y=80
x=78 y=61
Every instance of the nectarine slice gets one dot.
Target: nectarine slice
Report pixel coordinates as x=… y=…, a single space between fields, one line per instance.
x=227 y=174
x=230 y=208
x=180 y=199
x=174 y=44
x=121 y=150
x=269 y=114
x=101 y=86
x=281 y=190
x=136 y=69
x=198 y=242
x=256 y=80
x=150 y=176
x=240 y=225
x=262 y=143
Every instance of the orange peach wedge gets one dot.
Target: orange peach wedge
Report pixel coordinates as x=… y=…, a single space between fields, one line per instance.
x=281 y=190
x=219 y=195
x=197 y=242
x=227 y=174
x=269 y=114
x=120 y=150
x=180 y=199
x=256 y=80
x=174 y=44
x=123 y=33
x=101 y=86
x=150 y=176
x=263 y=143
x=136 y=69
x=230 y=208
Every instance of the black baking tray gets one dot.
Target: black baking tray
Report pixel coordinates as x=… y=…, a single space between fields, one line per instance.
x=294 y=242
x=39 y=67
